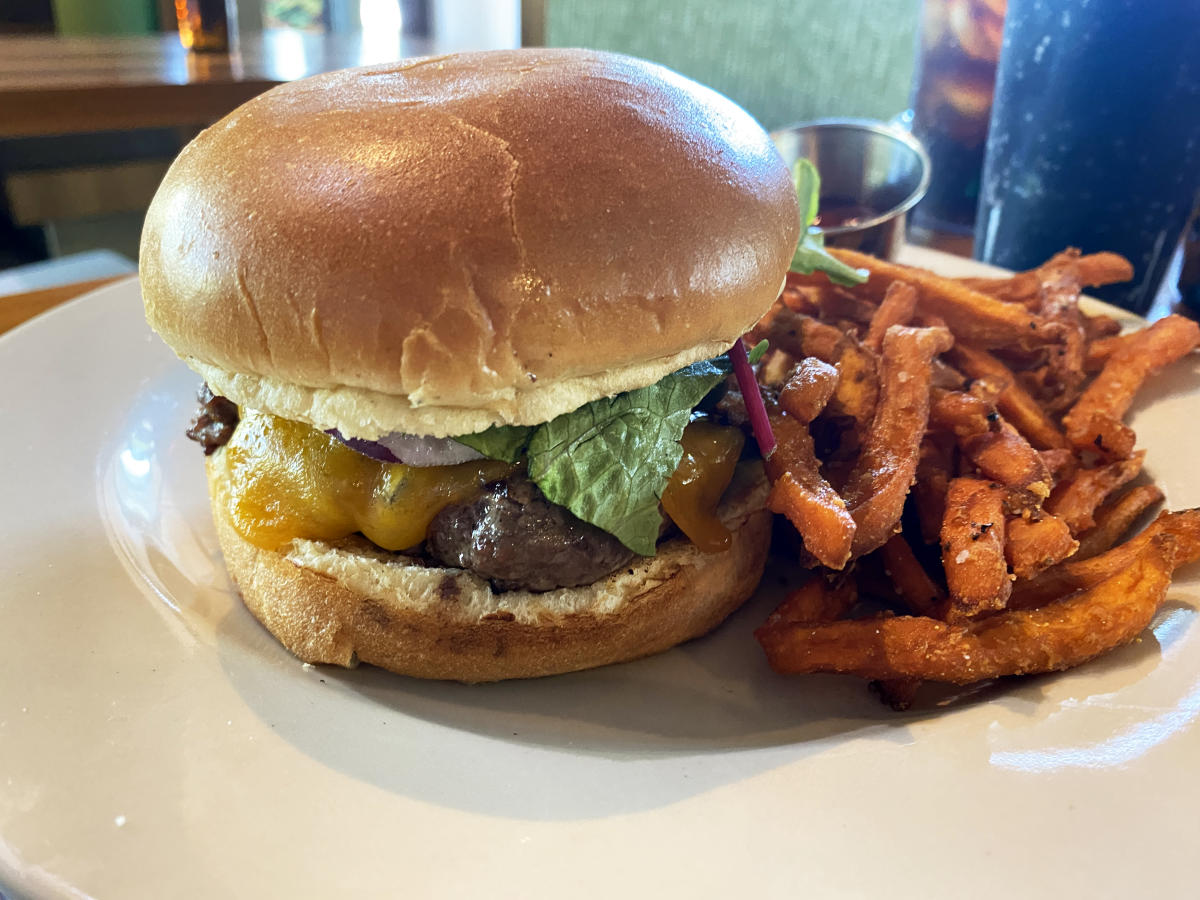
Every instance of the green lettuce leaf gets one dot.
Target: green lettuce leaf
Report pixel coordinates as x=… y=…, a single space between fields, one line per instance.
x=811 y=255
x=807 y=181
x=503 y=442
x=756 y=353
x=609 y=461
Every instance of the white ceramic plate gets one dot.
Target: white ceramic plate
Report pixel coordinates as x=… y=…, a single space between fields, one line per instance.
x=156 y=742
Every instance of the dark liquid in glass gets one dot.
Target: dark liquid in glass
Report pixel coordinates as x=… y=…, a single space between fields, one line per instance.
x=952 y=101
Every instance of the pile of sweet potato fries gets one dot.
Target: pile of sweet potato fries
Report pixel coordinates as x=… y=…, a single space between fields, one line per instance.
x=952 y=455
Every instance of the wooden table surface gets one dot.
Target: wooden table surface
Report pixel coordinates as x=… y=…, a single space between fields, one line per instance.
x=69 y=85
x=16 y=308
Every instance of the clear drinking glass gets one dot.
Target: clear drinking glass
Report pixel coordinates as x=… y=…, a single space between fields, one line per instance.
x=952 y=103
x=203 y=25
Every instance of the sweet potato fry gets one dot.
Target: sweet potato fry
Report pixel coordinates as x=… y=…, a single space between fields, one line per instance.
x=1061 y=462
x=1062 y=634
x=1015 y=497
x=857 y=391
x=798 y=334
x=808 y=389
x=1054 y=375
x=798 y=281
x=1101 y=433
x=1018 y=288
x=1080 y=574
x=838 y=303
x=1076 y=500
x=972 y=316
x=802 y=335
x=1101 y=326
x=802 y=298
x=1051 y=292
x=897 y=308
x=1092 y=270
x=1004 y=456
x=960 y=412
x=1038 y=380
x=1101 y=349
x=991 y=444
x=1063 y=373
x=817 y=600
x=910 y=580
x=878 y=484
x=1115 y=518
x=1035 y=545
x=973 y=537
x=1022 y=360
x=1094 y=422
x=1097 y=269
x=857 y=388
x=1056 y=282
x=800 y=492
x=1014 y=401
x=819 y=515
x=945 y=376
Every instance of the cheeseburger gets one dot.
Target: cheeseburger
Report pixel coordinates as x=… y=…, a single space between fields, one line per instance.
x=462 y=323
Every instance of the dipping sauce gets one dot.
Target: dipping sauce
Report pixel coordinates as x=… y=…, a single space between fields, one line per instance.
x=838 y=212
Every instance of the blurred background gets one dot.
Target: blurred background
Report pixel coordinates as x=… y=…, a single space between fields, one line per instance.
x=97 y=96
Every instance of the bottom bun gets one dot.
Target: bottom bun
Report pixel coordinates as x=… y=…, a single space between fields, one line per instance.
x=348 y=601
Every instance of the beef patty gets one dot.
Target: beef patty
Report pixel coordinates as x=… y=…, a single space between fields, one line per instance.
x=213 y=424
x=513 y=536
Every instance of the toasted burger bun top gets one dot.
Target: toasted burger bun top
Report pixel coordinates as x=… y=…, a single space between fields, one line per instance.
x=443 y=244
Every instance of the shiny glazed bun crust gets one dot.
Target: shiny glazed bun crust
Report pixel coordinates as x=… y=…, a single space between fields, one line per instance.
x=446 y=243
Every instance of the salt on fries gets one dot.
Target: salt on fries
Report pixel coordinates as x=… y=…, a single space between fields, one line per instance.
x=955 y=478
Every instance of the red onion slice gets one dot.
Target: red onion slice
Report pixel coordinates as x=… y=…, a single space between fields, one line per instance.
x=372 y=449
x=411 y=449
x=755 y=408
x=415 y=450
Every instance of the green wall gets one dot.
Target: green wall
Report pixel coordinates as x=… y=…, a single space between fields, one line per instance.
x=782 y=61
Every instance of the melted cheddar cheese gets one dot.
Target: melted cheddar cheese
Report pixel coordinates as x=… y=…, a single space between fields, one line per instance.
x=691 y=497
x=281 y=480
x=284 y=480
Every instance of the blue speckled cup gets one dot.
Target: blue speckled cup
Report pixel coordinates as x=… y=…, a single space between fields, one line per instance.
x=1095 y=136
